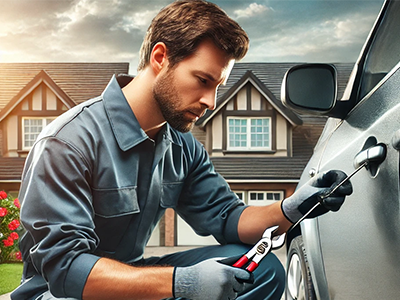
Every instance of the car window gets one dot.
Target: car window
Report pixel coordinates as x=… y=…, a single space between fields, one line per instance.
x=384 y=52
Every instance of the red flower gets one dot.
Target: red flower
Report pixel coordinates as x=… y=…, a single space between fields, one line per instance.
x=8 y=242
x=14 y=235
x=18 y=255
x=13 y=225
x=3 y=211
x=3 y=195
x=16 y=203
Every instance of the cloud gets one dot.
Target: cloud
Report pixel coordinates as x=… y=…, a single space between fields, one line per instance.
x=80 y=10
x=252 y=10
x=138 y=20
x=80 y=30
x=349 y=30
x=332 y=40
x=113 y=30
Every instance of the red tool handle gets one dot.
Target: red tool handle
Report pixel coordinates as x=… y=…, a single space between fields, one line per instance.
x=241 y=262
x=252 y=266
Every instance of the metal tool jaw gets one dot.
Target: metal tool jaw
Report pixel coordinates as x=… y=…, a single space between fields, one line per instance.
x=264 y=246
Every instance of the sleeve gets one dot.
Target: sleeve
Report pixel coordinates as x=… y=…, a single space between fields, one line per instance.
x=57 y=212
x=207 y=203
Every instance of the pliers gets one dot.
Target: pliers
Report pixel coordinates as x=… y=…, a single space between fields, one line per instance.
x=264 y=246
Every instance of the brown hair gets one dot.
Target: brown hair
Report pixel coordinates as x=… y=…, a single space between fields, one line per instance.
x=183 y=24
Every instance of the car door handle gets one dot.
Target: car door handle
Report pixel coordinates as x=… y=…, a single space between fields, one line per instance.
x=373 y=155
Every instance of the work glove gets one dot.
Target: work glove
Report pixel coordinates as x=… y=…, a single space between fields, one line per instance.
x=297 y=205
x=209 y=279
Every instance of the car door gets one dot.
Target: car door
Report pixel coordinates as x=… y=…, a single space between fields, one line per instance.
x=360 y=243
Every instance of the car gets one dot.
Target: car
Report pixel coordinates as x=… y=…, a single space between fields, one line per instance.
x=352 y=253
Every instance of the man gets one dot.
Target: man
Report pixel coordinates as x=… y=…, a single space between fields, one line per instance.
x=100 y=177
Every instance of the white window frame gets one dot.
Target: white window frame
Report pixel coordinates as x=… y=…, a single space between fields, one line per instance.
x=248 y=133
x=243 y=193
x=45 y=120
x=265 y=200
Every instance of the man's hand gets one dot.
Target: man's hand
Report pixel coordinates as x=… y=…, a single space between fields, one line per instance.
x=209 y=279
x=309 y=194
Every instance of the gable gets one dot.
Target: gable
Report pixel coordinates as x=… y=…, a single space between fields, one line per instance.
x=249 y=122
x=268 y=79
x=234 y=91
x=41 y=94
x=80 y=81
x=32 y=95
x=252 y=94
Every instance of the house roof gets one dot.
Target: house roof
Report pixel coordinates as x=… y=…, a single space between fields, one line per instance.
x=73 y=83
x=11 y=168
x=259 y=168
x=42 y=76
x=305 y=137
x=225 y=95
x=267 y=78
x=80 y=81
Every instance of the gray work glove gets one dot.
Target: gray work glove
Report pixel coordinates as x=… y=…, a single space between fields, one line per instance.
x=209 y=279
x=295 y=206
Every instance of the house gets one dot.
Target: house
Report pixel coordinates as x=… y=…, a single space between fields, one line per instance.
x=31 y=95
x=258 y=145
x=254 y=141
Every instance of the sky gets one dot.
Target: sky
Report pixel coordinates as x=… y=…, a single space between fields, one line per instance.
x=112 y=30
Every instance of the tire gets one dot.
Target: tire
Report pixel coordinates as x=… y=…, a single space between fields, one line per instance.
x=299 y=285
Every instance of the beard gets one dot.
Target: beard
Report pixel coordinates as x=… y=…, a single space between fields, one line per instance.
x=167 y=97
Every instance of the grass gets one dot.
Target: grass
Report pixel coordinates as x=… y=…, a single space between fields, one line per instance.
x=10 y=277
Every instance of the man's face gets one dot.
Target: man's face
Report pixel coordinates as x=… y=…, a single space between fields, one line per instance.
x=186 y=90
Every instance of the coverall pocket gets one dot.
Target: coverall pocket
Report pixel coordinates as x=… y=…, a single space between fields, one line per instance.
x=114 y=210
x=171 y=192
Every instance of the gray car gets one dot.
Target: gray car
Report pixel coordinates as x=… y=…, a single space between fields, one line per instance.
x=353 y=253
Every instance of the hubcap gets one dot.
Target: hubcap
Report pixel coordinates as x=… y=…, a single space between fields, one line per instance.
x=295 y=279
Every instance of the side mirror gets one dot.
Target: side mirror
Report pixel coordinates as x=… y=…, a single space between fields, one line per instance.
x=310 y=88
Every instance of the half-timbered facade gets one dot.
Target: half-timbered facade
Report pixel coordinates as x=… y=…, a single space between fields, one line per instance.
x=32 y=95
x=258 y=145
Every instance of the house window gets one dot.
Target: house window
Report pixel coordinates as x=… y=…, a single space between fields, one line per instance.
x=249 y=133
x=31 y=129
x=259 y=198
x=240 y=195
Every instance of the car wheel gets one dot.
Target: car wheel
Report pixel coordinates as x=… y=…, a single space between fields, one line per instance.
x=298 y=281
